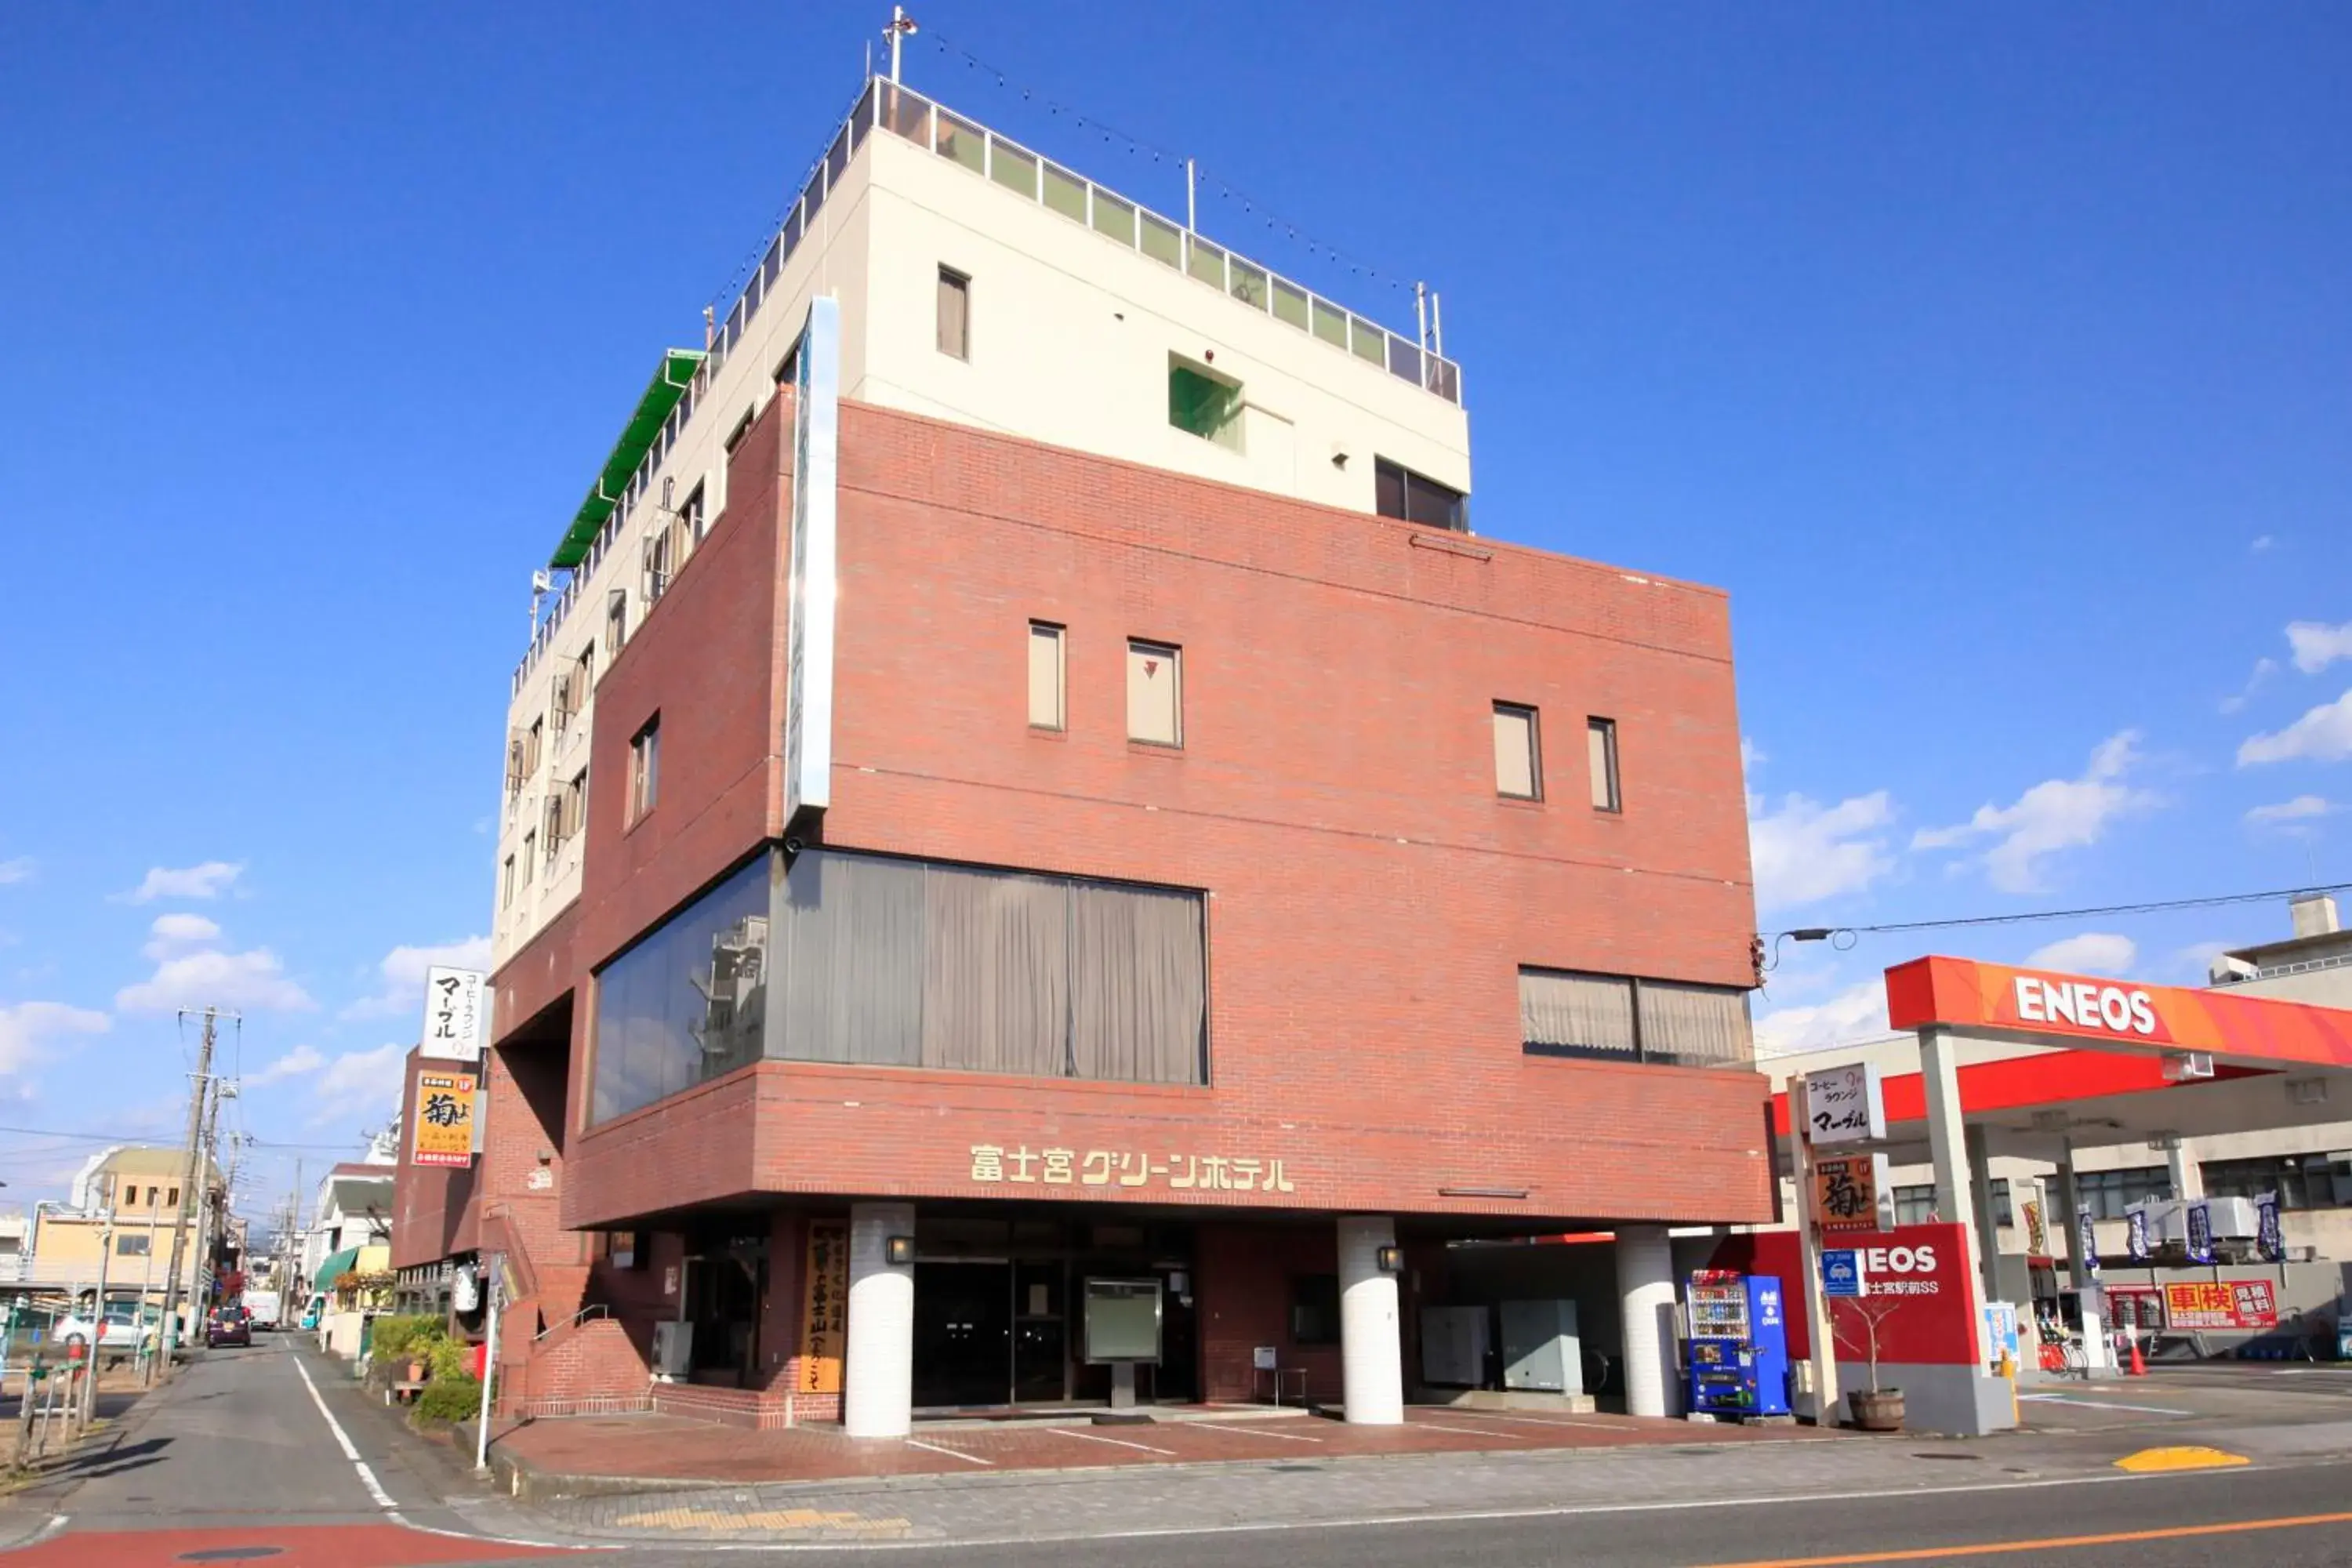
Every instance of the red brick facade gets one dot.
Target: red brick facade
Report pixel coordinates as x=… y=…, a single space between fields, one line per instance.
x=1372 y=897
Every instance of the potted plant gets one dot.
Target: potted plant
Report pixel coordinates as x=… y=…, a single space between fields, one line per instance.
x=1874 y=1409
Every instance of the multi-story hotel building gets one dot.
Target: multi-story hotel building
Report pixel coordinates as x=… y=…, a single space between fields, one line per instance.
x=1037 y=840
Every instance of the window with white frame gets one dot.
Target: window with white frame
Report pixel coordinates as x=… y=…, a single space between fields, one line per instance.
x=1155 y=693
x=1518 y=753
x=1048 y=703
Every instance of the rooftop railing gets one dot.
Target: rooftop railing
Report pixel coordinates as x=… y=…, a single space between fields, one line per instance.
x=903 y=112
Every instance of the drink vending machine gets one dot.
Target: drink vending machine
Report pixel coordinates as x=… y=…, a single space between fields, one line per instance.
x=1738 y=1346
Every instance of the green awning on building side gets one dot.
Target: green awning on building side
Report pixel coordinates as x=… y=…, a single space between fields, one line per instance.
x=339 y=1264
x=671 y=379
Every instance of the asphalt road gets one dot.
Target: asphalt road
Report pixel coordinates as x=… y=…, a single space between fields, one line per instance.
x=243 y=1459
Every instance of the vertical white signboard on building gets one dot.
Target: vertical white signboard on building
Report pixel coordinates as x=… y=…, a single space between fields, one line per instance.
x=817 y=422
x=455 y=1015
x=1843 y=1105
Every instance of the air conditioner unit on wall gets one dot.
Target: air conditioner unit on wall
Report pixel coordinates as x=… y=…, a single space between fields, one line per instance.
x=673 y=1351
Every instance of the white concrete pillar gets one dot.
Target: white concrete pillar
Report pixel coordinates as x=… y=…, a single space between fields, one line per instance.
x=1371 y=1346
x=1939 y=1070
x=1986 y=1214
x=2078 y=1268
x=877 y=1376
x=1646 y=1293
x=2187 y=1175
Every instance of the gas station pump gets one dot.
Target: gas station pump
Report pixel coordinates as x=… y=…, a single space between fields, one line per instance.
x=1738 y=1345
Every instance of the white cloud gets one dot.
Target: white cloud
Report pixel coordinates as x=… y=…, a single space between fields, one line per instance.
x=1857 y=1013
x=244 y=981
x=2317 y=645
x=20 y=870
x=2092 y=952
x=173 y=934
x=209 y=880
x=26 y=1027
x=1804 y=851
x=2301 y=809
x=2263 y=542
x=361 y=1083
x=293 y=1064
x=2263 y=669
x=402 y=974
x=2054 y=815
x=2321 y=736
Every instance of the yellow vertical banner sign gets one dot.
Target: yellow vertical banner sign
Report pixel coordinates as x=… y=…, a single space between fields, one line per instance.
x=444 y=1133
x=825 y=1308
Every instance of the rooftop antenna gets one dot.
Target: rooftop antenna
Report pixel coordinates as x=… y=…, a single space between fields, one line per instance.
x=540 y=583
x=902 y=28
x=1191 y=201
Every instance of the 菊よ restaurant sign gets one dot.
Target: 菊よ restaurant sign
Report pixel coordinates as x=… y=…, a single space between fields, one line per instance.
x=1962 y=994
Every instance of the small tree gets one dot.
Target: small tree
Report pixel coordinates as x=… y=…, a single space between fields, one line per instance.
x=1872 y=1312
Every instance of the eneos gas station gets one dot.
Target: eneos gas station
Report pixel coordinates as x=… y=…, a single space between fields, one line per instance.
x=2032 y=1065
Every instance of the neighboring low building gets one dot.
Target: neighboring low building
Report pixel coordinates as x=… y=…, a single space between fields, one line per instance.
x=352 y=1210
x=127 y=1205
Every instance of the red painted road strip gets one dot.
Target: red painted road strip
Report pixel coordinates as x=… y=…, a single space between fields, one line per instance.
x=300 y=1546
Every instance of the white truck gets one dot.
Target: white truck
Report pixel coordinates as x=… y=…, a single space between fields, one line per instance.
x=262 y=1306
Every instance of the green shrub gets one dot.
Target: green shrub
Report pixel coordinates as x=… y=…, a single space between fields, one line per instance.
x=447 y=1360
x=398 y=1337
x=449 y=1399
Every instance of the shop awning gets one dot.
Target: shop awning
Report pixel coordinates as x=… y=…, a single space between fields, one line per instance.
x=336 y=1264
x=671 y=379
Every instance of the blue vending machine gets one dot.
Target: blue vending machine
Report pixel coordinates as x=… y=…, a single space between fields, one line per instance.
x=1738 y=1344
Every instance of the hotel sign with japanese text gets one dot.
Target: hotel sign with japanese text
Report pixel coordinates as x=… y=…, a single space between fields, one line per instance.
x=444 y=1130
x=1020 y=1165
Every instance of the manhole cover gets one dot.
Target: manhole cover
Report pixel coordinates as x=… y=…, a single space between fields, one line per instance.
x=228 y=1554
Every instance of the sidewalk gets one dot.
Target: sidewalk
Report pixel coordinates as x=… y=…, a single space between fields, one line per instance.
x=588 y=1455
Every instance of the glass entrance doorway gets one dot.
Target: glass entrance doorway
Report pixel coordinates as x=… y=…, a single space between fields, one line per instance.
x=995 y=1311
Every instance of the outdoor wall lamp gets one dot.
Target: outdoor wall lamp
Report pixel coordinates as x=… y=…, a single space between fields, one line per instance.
x=1390 y=1259
x=899 y=1249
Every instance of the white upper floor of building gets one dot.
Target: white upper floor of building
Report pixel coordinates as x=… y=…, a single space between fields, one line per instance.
x=981 y=283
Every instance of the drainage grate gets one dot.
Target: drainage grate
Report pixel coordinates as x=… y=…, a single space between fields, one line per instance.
x=228 y=1554
x=1969 y=1458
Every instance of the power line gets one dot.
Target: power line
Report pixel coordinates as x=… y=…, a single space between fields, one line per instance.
x=2159 y=906
x=153 y=1137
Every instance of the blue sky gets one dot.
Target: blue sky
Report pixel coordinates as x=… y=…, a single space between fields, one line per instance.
x=1998 y=361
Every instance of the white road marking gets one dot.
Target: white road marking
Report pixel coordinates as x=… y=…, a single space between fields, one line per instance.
x=951 y=1453
x=1567 y=1511
x=1542 y=1421
x=1253 y=1431
x=1473 y=1431
x=1121 y=1442
x=344 y=1441
x=2099 y=1404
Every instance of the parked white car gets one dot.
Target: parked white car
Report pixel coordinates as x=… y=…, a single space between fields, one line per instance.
x=125 y=1328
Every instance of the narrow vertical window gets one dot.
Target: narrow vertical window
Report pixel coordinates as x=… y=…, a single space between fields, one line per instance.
x=617 y=621
x=506 y=884
x=1048 y=707
x=1601 y=756
x=645 y=768
x=529 y=854
x=955 y=313
x=1518 y=765
x=1155 y=693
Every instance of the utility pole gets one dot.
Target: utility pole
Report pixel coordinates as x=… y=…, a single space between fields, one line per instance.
x=200 y=1293
x=89 y=1400
x=188 y=1187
